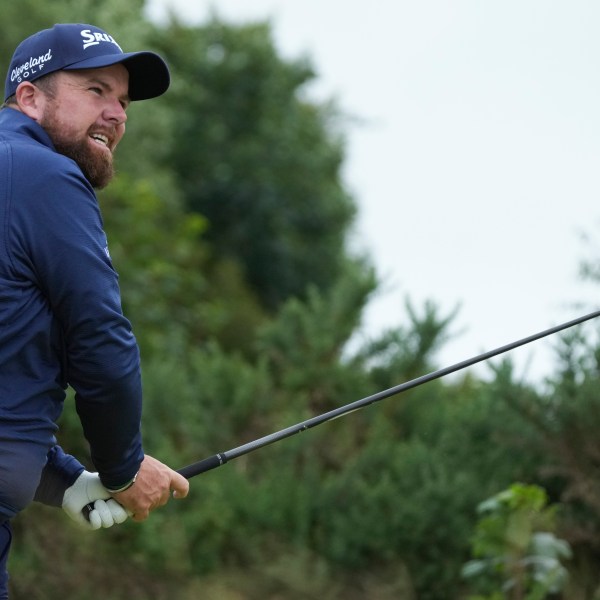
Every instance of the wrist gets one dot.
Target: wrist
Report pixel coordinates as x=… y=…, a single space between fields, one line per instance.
x=123 y=487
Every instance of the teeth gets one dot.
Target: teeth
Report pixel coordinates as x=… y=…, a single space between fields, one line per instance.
x=100 y=138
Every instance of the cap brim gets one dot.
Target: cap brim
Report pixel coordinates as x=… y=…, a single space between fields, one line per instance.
x=148 y=73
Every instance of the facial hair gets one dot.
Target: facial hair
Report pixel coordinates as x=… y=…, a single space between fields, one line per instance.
x=97 y=167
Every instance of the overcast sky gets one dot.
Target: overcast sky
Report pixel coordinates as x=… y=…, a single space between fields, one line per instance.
x=475 y=159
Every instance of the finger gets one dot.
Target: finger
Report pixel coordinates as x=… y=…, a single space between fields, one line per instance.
x=119 y=514
x=138 y=517
x=95 y=522
x=104 y=513
x=180 y=486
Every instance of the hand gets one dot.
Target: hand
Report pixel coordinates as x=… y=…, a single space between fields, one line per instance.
x=87 y=489
x=152 y=488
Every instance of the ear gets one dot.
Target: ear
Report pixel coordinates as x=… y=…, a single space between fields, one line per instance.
x=30 y=100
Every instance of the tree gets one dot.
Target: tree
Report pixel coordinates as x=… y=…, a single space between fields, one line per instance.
x=261 y=163
x=175 y=293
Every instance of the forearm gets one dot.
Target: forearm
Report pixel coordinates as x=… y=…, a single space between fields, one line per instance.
x=111 y=423
x=104 y=371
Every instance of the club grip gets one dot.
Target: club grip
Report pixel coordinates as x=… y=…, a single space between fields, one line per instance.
x=87 y=509
x=212 y=462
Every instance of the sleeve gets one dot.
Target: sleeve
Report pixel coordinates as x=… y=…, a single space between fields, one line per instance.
x=60 y=473
x=65 y=247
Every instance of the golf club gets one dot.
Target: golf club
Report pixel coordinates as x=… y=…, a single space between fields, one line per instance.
x=222 y=457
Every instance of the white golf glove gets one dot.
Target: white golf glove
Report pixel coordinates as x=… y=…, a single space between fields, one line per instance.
x=88 y=489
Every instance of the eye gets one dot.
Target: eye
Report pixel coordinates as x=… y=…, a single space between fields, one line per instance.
x=96 y=90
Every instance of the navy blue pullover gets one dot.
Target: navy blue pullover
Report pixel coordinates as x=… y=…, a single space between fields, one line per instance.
x=61 y=324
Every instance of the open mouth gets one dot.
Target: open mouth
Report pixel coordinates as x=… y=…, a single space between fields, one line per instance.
x=101 y=140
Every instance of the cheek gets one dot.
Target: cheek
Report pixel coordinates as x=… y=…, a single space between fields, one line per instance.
x=64 y=117
x=120 y=132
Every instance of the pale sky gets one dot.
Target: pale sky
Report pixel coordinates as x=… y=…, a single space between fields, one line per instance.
x=475 y=160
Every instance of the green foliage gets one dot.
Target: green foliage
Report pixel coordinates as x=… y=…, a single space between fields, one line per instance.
x=305 y=343
x=262 y=164
x=407 y=350
x=409 y=492
x=171 y=288
x=517 y=554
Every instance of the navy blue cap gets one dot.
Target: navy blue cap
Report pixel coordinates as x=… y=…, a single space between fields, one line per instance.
x=70 y=46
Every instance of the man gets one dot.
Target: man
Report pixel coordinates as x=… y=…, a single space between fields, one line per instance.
x=66 y=95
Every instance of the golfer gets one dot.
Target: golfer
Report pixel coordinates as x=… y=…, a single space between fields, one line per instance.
x=61 y=323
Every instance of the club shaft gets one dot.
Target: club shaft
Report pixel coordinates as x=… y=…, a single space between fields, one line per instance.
x=221 y=458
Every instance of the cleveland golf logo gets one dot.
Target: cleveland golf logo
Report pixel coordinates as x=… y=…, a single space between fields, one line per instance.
x=31 y=67
x=94 y=38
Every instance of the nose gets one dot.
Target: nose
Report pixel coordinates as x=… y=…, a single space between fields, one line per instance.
x=115 y=112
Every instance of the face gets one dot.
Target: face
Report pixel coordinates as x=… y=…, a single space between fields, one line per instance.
x=84 y=115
